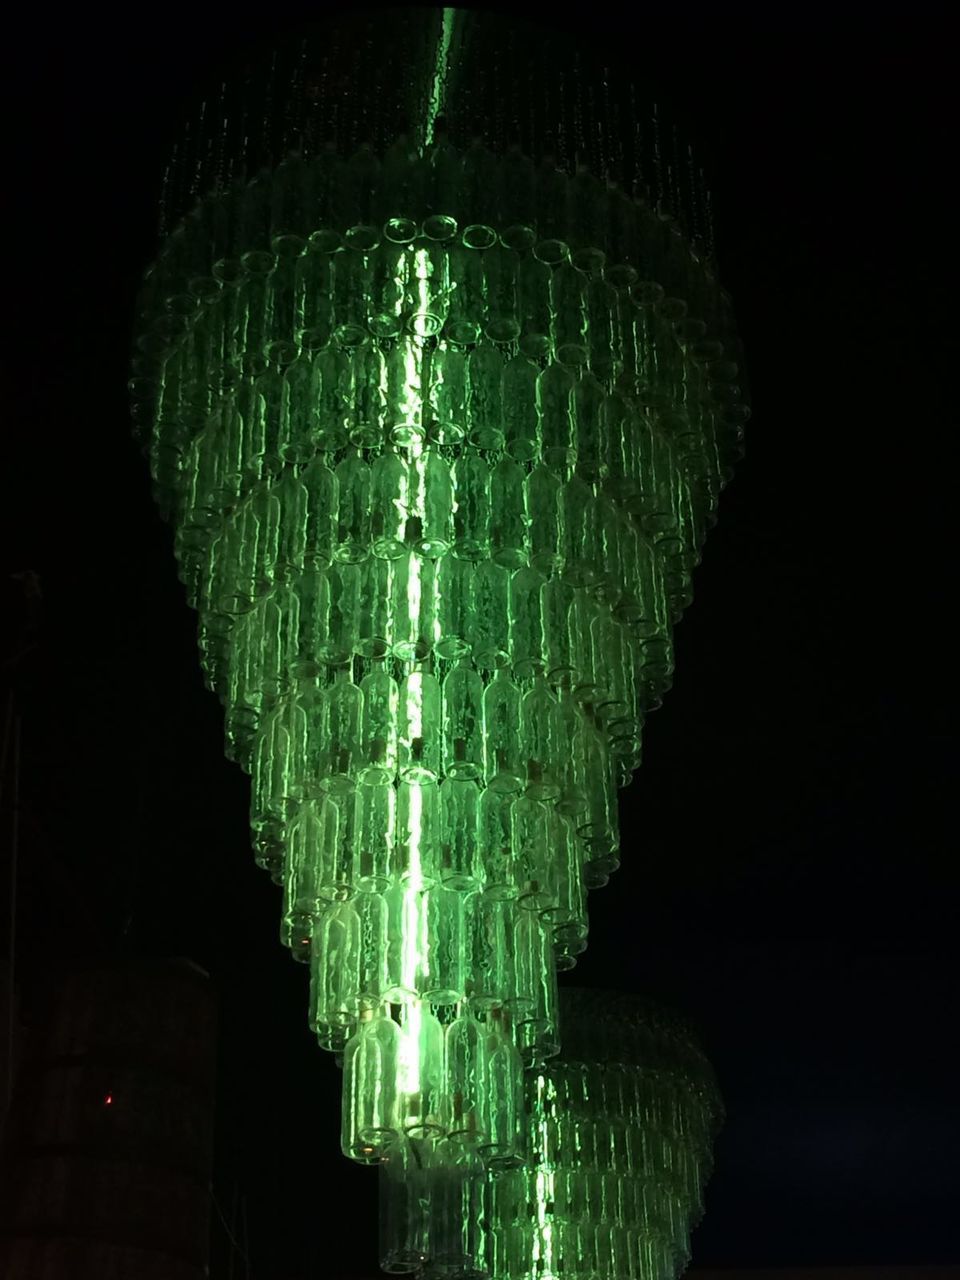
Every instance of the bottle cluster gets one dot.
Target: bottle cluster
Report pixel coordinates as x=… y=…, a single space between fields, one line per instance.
x=616 y=1157
x=438 y=491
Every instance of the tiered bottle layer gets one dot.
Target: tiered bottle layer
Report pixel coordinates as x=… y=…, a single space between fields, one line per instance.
x=618 y=1151
x=402 y=197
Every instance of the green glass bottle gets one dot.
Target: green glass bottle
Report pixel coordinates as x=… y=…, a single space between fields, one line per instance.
x=455 y=591
x=371 y=905
x=490 y=624
x=332 y=398
x=533 y=297
x=503 y=769
x=389 y=502
x=460 y=866
x=526 y=624
x=484 y=404
x=338 y=869
x=308 y=838
x=495 y=825
x=419 y=832
x=543 y=498
x=441 y=978
x=380 y=700
x=335 y=966
x=340 y=719
x=540 y=734
x=273 y=792
x=501 y=321
x=556 y=597
x=448 y=393
x=375 y=637
x=369 y=401
x=463 y=723
x=353 y=511
x=419 y=726
x=471 y=517
x=421 y=1075
x=466 y=1079
x=555 y=388
x=403 y=1243
x=371 y=1120
x=521 y=423
x=501 y=1116
x=376 y=830
x=432 y=505
x=581 y=545
x=533 y=853
x=508 y=525
x=414 y=608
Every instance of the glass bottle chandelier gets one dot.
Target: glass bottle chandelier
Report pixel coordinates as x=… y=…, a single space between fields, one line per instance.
x=440 y=415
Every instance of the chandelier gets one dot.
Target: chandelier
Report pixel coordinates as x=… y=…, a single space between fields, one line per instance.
x=439 y=394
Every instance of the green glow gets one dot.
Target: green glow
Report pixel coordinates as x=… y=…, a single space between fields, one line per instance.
x=543 y=1240
x=414 y=600
x=409 y=1065
x=412 y=403
x=441 y=68
x=413 y=945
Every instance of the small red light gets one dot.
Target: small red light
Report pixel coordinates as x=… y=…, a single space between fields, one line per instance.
x=108 y=1100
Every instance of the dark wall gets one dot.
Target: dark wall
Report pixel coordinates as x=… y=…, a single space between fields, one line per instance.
x=108 y=1145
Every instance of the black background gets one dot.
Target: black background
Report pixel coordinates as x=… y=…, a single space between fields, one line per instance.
x=788 y=864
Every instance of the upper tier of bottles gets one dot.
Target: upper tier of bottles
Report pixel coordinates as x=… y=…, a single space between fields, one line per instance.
x=435 y=82
x=280 y=210
x=442 y=199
